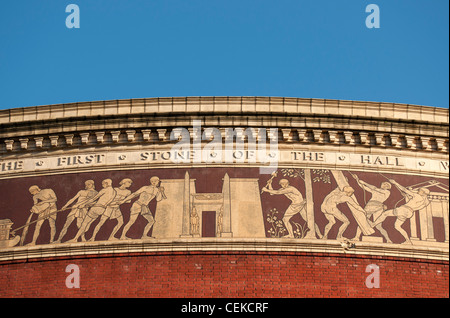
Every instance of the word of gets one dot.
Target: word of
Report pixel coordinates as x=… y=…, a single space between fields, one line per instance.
x=215 y=152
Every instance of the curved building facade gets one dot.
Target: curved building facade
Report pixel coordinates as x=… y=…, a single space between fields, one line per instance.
x=224 y=197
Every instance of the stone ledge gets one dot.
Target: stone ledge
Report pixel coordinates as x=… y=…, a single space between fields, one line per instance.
x=231 y=105
x=83 y=249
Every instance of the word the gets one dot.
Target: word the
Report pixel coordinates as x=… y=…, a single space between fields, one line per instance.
x=308 y=156
x=11 y=165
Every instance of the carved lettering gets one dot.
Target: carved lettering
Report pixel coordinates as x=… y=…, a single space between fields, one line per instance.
x=308 y=156
x=11 y=165
x=381 y=160
x=80 y=160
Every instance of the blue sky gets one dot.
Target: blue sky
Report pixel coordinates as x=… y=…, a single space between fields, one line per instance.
x=159 y=48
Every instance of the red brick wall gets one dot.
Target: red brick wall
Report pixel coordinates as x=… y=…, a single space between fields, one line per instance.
x=225 y=274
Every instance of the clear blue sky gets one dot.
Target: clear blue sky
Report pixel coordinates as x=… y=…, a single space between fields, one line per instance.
x=159 y=48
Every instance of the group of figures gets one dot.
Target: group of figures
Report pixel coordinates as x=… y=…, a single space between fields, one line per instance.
x=415 y=200
x=88 y=205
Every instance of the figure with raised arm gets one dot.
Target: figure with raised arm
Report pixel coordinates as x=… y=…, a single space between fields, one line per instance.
x=375 y=206
x=297 y=202
x=415 y=200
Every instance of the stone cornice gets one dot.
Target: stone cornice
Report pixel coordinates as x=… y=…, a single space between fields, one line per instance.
x=230 y=105
x=333 y=122
x=92 y=249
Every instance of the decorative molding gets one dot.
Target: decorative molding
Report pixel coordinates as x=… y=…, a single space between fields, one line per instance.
x=222 y=244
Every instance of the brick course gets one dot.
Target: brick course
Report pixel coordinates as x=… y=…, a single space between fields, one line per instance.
x=225 y=274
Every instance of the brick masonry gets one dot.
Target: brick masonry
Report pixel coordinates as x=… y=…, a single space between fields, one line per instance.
x=225 y=274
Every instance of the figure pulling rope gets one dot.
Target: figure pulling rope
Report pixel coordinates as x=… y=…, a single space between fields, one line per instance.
x=375 y=206
x=45 y=207
x=415 y=200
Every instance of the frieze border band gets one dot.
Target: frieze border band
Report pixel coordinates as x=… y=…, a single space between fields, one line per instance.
x=218 y=245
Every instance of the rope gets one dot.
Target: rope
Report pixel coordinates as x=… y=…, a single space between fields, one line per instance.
x=46 y=217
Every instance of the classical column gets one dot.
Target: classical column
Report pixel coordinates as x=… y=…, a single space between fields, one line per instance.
x=423 y=217
x=444 y=205
x=429 y=224
x=413 y=225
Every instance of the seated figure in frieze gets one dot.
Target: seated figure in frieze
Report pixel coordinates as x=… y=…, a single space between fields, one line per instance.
x=103 y=198
x=140 y=206
x=79 y=209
